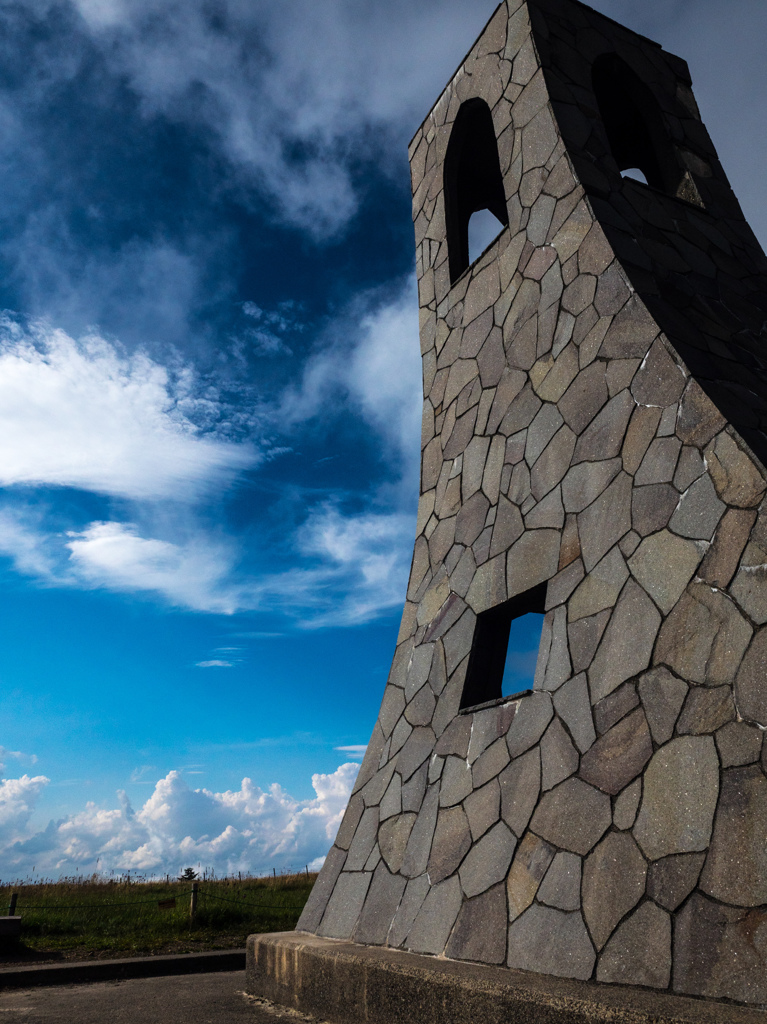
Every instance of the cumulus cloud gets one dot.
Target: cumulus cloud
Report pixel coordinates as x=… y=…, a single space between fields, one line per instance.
x=248 y=829
x=81 y=414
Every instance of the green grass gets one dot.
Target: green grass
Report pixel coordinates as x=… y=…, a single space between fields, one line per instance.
x=97 y=917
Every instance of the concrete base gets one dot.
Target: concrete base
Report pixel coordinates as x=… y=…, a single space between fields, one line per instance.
x=345 y=983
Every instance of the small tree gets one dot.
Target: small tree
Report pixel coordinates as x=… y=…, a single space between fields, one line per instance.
x=187 y=875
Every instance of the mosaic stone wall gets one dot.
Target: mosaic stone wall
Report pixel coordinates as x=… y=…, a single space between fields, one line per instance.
x=593 y=396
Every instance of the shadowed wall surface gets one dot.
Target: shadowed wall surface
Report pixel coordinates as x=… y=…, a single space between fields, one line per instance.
x=593 y=399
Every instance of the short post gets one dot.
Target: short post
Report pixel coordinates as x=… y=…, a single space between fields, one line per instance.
x=12 y=904
x=193 y=902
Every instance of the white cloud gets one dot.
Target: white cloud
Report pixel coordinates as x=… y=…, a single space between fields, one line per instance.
x=81 y=414
x=355 y=750
x=249 y=829
x=214 y=663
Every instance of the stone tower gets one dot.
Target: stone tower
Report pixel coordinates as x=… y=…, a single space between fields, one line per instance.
x=593 y=447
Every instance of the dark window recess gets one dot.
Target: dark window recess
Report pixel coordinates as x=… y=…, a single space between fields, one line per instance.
x=489 y=667
x=638 y=137
x=472 y=180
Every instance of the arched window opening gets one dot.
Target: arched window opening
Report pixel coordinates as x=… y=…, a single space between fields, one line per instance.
x=484 y=228
x=636 y=173
x=473 y=183
x=505 y=649
x=634 y=124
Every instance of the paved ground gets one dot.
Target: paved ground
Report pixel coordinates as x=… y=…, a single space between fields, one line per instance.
x=191 y=999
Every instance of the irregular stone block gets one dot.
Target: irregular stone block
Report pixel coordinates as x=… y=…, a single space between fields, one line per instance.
x=393 y=837
x=662 y=696
x=600 y=589
x=573 y=706
x=735 y=871
x=704 y=637
x=551 y=941
x=706 y=710
x=532 y=559
x=561 y=886
x=617 y=705
x=699 y=511
x=345 y=905
x=614 y=876
x=605 y=521
x=750 y=686
x=530 y=865
x=641 y=431
x=452 y=840
x=470 y=521
x=640 y=951
x=627 y=805
x=413 y=791
x=480 y=931
x=719 y=952
x=627 y=643
x=455 y=739
x=407 y=911
x=380 y=907
x=652 y=507
x=681 y=786
x=664 y=564
x=322 y=889
x=737 y=480
x=584 y=636
x=391 y=803
x=659 y=463
x=455 y=783
x=619 y=755
x=738 y=743
x=689 y=467
x=488 y=725
x=671 y=879
x=420 y=710
x=659 y=380
x=490 y=763
x=573 y=816
x=603 y=438
x=488 y=860
x=723 y=556
x=586 y=481
x=520 y=787
x=559 y=758
x=584 y=398
x=416 y=750
x=419 y=844
x=699 y=419
x=483 y=808
x=563 y=584
x=364 y=840
x=436 y=918
x=534 y=713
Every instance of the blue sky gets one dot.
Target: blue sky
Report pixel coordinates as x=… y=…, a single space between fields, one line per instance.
x=210 y=402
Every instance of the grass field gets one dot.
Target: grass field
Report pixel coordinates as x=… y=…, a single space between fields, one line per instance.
x=80 y=919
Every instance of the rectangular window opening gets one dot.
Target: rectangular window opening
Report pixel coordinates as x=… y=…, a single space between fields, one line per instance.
x=505 y=649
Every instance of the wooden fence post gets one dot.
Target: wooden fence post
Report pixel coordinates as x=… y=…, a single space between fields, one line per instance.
x=12 y=904
x=193 y=902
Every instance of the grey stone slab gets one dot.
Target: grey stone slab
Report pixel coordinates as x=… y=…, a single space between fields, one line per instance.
x=586 y=481
x=662 y=696
x=749 y=588
x=699 y=511
x=545 y=425
x=689 y=467
x=601 y=588
x=380 y=907
x=507 y=528
x=631 y=332
x=490 y=763
x=584 y=398
x=619 y=755
x=488 y=860
x=413 y=791
x=629 y=543
x=417 y=749
x=531 y=863
x=641 y=431
x=613 y=708
x=659 y=464
x=419 y=845
x=652 y=507
x=640 y=951
x=364 y=840
x=614 y=876
x=574 y=816
x=534 y=713
x=704 y=638
x=393 y=837
x=553 y=666
x=564 y=583
x=407 y=911
x=483 y=808
x=457 y=640
x=573 y=706
x=660 y=380
x=561 y=886
x=584 y=636
x=750 y=689
x=551 y=941
x=492 y=359
x=613 y=291
x=681 y=786
x=699 y=419
x=706 y=710
x=350 y=821
x=452 y=840
x=488 y=725
x=723 y=556
x=627 y=805
x=520 y=785
x=671 y=879
x=345 y=905
x=455 y=783
x=455 y=739
x=605 y=521
x=559 y=758
x=620 y=373
x=533 y=559
x=736 y=478
x=436 y=918
x=739 y=743
x=603 y=438
x=420 y=710
x=392 y=707
x=627 y=643
x=480 y=931
x=715 y=952
x=664 y=564
x=322 y=889
x=391 y=803
x=735 y=871
x=548 y=513
x=470 y=521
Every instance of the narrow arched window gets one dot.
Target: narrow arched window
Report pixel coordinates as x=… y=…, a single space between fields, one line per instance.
x=473 y=184
x=638 y=137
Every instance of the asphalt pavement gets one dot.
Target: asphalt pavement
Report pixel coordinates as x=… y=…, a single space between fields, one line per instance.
x=191 y=999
